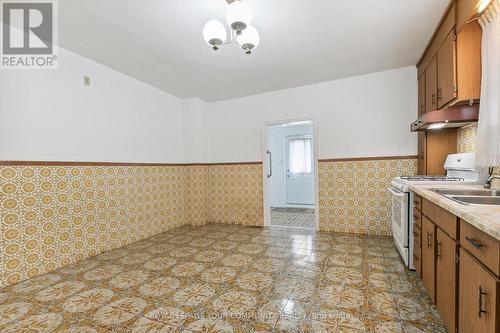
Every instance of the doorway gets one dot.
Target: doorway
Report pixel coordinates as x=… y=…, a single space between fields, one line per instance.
x=291 y=171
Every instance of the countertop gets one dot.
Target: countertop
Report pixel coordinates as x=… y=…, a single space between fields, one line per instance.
x=485 y=218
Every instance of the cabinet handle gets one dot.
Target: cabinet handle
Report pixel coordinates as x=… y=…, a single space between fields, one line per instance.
x=429 y=241
x=481 y=294
x=433 y=99
x=474 y=242
x=438 y=249
x=439 y=94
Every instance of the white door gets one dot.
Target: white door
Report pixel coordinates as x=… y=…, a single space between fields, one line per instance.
x=299 y=170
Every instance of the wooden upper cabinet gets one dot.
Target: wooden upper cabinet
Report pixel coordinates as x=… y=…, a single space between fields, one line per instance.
x=431 y=86
x=447 y=71
x=446 y=279
x=428 y=257
x=421 y=94
x=446 y=25
x=479 y=303
x=469 y=62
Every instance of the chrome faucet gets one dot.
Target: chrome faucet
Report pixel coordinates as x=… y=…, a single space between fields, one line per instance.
x=490 y=180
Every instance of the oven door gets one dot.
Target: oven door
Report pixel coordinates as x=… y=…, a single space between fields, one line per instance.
x=400 y=221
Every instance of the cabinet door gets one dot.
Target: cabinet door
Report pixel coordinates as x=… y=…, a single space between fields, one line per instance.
x=440 y=144
x=447 y=71
x=446 y=279
x=431 y=86
x=421 y=94
x=428 y=257
x=478 y=298
x=422 y=153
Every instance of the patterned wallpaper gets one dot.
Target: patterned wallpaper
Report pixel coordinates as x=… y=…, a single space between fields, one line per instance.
x=353 y=195
x=467 y=139
x=54 y=216
x=236 y=194
x=196 y=195
x=467 y=142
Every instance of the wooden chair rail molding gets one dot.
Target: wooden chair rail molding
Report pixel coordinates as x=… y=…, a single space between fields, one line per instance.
x=379 y=158
x=82 y=163
x=125 y=164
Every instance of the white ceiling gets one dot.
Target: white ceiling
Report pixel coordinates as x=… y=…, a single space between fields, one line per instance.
x=302 y=41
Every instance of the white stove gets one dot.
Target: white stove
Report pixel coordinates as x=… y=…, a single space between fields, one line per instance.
x=460 y=169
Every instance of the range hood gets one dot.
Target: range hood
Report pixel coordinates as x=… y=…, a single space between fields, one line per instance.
x=454 y=116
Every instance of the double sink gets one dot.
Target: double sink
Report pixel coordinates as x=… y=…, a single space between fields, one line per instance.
x=471 y=197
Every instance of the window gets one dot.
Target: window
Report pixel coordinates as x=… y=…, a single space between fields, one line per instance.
x=300 y=155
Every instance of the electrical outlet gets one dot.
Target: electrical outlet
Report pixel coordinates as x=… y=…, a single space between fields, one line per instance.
x=86 y=81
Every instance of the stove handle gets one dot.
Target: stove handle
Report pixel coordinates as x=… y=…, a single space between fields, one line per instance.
x=396 y=192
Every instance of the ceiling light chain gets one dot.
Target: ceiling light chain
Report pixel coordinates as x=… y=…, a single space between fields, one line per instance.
x=239 y=18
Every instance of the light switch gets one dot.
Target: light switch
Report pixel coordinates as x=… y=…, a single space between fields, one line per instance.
x=86 y=80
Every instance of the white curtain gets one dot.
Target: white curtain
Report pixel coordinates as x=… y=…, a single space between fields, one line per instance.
x=300 y=155
x=488 y=152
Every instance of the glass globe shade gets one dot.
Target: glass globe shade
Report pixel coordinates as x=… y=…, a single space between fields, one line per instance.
x=238 y=15
x=249 y=39
x=214 y=32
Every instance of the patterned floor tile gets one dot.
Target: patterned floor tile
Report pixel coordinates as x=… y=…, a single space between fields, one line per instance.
x=226 y=278
x=292 y=217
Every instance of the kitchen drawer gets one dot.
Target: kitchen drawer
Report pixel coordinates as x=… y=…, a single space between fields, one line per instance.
x=417 y=234
x=417 y=202
x=441 y=217
x=417 y=257
x=481 y=245
x=417 y=217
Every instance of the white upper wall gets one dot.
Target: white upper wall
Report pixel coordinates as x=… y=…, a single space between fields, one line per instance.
x=51 y=115
x=361 y=116
x=194 y=131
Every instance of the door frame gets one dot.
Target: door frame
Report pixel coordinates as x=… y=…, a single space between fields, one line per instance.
x=265 y=166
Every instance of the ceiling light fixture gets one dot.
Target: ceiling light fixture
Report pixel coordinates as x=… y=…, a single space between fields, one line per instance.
x=239 y=18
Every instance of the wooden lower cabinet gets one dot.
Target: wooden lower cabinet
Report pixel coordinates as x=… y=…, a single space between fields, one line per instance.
x=479 y=306
x=417 y=249
x=459 y=266
x=428 y=255
x=446 y=279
